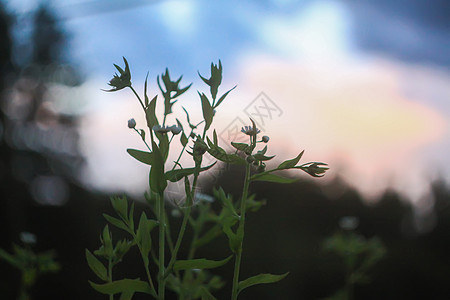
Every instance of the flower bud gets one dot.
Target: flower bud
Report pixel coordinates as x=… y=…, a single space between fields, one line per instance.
x=261 y=168
x=131 y=123
x=250 y=159
x=160 y=129
x=265 y=139
x=28 y=238
x=175 y=129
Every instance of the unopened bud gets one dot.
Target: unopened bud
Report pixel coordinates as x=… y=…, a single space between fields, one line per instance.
x=131 y=123
x=175 y=129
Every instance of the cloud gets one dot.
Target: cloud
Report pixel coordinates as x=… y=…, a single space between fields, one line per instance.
x=413 y=31
x=354 y=115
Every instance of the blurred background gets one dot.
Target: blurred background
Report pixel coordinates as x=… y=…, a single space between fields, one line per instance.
x=362 y=85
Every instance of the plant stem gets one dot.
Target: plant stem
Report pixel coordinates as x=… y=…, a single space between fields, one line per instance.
x=148 y=147
x=139 y=98
x=179 y=239
x=145 y=261
x=240 y=233
x=162 y=229
x=182 y=151
x=111 y=296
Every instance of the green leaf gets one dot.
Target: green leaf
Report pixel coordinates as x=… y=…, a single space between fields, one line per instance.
x=116 y=222
x=199 y=263
x=225 y=199
x=220 y=154
x=187 y=117
x=183 y=139
x=260 y=279
x=9 y=258
x=142 y=133
x=157 y=179
x=163 y=144
x=120 y=205
x=291 y=162
x=253 y=205
x=122 y=286
x=128 y=295
x=216 y=142
x=96 y=266
x=175 y=175
x=181 y=91
x=262 y=157
x=143 y=235
x=269 y=177
x=263 y=151
x=206 y=295
x=145 y=92
x=142 y=156
x=223 y=97
x=234 y=240
x=131 y=217
x=208 y=111
x=150 y=113
x=241 y=146
x=107 y=241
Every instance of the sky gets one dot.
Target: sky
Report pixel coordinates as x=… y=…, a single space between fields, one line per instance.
x=362 y=85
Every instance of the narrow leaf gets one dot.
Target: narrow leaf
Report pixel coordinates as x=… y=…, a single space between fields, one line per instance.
x=183 y=139
x=216 y=142
x=262 y=157
x=206 y=295
x=142 y=156
x=175 y=175
x=128 y=295
x=157 y=179
x=223 y=97
x=96 y=266
x=122 y=286
x=199 y=263
x=268 y=177
x=142 y=132
x=116 y=222
x=291 y=162
x=187 y=117
x=208 y=111
x=120 y=205
x=143 y=235
x=260 y=279
x=241 y=146
x=150 y=113
x=145 y=91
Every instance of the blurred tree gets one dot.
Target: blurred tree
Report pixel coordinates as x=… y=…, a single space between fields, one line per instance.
x=39 y=154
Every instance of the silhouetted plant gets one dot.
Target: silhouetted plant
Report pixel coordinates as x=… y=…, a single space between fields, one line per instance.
x=187 y=277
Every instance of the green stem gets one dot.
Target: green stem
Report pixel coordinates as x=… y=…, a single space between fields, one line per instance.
x=168 y=236
x=162 y=229
x=145 y=260
x=240 y=233
x=148 y=147
x=164 y=120
x=179 y=239
x=139 y=98
x=182 y=151
x=111 y=296
x=145 y=112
